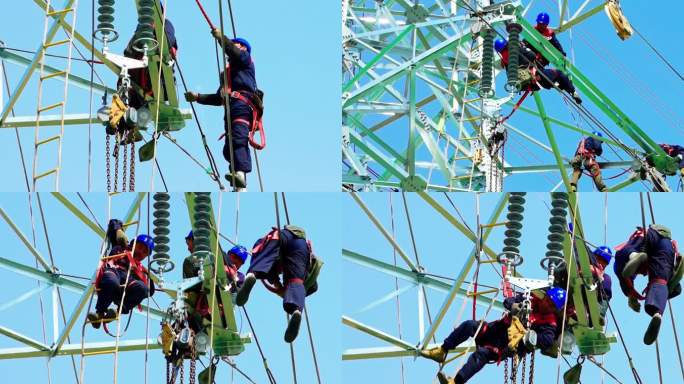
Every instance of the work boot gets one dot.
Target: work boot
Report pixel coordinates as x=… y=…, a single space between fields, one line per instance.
x=653 y=328
x=293 y=326
x=632 y=266
x=634 y=303
x=444 y=378
x=240 y=179
x=243 y=294
x=576 y=97
x=437 y=354
x=97 y=318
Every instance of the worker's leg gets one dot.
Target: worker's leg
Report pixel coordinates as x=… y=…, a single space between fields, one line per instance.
x=595 y=170
x=475 y=363
x=296 y=263
x=109 y=290
x=241 y=118
x=136 y=292
x=546 y=335
x=576 y=163
x=264 y=260
x=660 y=267
x=460 y=334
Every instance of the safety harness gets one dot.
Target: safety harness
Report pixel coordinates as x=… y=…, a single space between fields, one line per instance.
x=257 y=112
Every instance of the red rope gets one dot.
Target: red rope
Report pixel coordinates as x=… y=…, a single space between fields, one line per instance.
x=515 y=107
x=211 y=25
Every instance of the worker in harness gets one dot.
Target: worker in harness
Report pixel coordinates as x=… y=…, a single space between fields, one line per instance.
x=549 y=34
x=655 y=254
x=542 y=77
x=245 y=104
x=501 y=339
x=600 y=259
x=122 y=275
x=677 y=152
x=283 y=251
x=196 y=299
x=585 y=156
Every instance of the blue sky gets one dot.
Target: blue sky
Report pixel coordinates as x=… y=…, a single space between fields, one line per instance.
x=296 y=53
x=76 y=248
x=649 y=93
x=443 y=251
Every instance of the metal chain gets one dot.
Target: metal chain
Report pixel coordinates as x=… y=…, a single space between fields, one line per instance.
x=125 y=167
x=524 y=367
x=131 y=185
x=116 y=163
x=532 y=367
x=514 y=369
x=168 y=373
x=193 y=360
x=107 y=164
x=182 y=371
x=505 y=371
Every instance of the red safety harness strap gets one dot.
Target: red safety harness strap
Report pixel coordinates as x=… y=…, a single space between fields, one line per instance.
x=515 y=107
x=257 y=123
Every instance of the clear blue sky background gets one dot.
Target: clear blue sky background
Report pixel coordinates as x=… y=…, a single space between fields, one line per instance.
x=296 y=53
x=649 y=96
x=76 y=248
x=443 y=251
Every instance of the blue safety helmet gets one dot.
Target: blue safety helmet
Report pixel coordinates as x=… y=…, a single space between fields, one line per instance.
x=557 y=295
x=597 y=133
x=543 y=18
x=500 y=44
x=604 y=252
x=147 y=240
x=240 y=252
x=190 y=236
x=244 y=42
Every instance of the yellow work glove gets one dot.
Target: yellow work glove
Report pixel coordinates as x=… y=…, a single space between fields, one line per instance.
x=681 y=172
x=516 y=332
x=167 y=338
x=117 y=110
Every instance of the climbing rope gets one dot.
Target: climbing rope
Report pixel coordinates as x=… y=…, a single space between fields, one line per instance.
x=269 y=374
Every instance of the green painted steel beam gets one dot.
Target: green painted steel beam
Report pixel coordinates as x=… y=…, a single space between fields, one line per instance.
x=386 y=352
x=578 y=19
x=34 y=344
x=348 y=321
x=56 y=120
x=552 y=141
x=77 y=81
x=26 y=241
x=390 y=238
x=377 y=58
x=79 y=215
x=414 y=277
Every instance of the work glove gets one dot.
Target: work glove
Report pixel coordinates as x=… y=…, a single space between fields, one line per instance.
x=516 y=332
x=117 y=110
x=191 y=96
x=515 y=308
x=681 y=172
x=634 y=303
x=218 y=35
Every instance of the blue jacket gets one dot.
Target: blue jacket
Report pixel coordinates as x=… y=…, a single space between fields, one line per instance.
x=592 y=145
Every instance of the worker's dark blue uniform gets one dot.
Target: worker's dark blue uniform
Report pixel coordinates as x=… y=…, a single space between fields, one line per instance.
x=594 y=145
x=548 y=76
x=491 y=342
x=659 y=266
x=661 y=258
x=289 y=255
x=242 y=78
x=111 y=282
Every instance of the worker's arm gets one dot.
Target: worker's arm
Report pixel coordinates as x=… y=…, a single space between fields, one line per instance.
x=235 y=55
x=554 y=41
x=205 y=98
